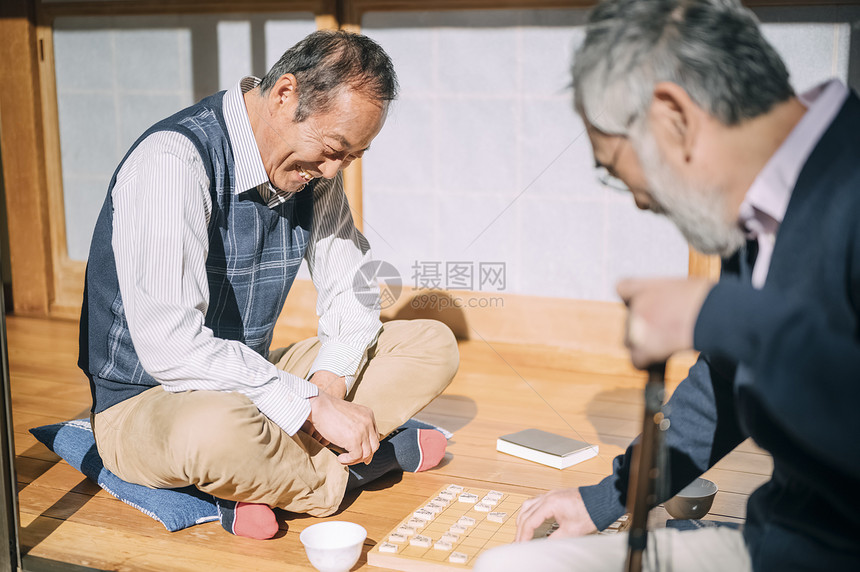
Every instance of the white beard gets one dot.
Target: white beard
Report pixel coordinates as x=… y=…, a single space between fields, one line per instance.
x=697 y=209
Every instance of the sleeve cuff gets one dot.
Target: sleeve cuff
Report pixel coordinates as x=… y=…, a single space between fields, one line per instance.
x=286 y=402
x=339 y=358
x=603 y=502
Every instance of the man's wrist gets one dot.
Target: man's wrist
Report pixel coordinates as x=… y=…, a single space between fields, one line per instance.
x=341 y=359
x=329 y=382
x=602 y=502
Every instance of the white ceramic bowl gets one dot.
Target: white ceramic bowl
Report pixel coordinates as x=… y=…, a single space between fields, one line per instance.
x=333 y=546
x=694 y=500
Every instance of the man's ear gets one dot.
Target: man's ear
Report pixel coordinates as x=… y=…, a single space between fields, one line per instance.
x=675 y=121
x=285 y=92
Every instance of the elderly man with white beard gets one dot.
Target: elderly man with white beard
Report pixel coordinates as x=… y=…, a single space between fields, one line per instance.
x=690 y=108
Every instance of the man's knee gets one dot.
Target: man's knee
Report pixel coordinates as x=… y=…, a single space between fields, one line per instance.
x=439 y=346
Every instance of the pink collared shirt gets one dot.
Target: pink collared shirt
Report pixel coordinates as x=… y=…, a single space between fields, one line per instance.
x=767 y=199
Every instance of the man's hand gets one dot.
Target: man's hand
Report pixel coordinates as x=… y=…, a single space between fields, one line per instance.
x=661 y=317
x=330 y=383
x=563 y=505
x=309 y=428
x=348 y=425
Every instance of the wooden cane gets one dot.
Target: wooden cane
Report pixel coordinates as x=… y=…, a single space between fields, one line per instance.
x=644 y=470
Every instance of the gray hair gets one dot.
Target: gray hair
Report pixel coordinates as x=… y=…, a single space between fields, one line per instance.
x=326 y=61
x=713 y=49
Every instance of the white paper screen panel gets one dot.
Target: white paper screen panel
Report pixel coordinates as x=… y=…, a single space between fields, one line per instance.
x=483 y=159
x=116 y=76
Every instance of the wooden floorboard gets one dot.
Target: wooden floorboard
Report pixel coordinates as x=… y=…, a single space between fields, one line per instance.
x=500 y=389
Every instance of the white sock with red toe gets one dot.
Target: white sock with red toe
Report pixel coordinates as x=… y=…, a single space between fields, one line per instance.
x=247 y=519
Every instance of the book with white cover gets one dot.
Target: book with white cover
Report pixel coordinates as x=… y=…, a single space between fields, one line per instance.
x=546 y=448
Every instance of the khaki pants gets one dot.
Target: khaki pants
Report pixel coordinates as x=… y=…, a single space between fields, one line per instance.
x=220 y=443
x=669 y=550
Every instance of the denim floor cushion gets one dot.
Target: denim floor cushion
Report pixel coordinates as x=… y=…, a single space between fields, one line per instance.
x=174 y=508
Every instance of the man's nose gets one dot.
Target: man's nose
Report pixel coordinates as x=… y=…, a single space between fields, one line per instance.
x=330 y=167
x=643 y=201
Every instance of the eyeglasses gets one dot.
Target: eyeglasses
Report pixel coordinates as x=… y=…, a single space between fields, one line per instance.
x=604 y=175
x=609 y=181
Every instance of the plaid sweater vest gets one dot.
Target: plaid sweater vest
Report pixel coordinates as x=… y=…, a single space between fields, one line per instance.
x=253 y=257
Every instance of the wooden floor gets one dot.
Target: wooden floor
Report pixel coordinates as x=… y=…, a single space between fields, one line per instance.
x=499 y=389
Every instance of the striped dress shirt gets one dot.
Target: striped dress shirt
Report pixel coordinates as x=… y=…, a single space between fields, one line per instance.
x=162 y=207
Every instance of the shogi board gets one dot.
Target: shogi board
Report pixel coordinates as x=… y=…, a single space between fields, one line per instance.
x=406 y=546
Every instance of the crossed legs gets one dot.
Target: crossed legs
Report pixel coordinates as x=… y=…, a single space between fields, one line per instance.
x=220 y=443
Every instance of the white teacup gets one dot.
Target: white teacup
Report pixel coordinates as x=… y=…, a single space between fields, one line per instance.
x=333 y=546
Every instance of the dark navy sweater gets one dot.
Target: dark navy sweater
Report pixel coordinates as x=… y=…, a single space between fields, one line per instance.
x=782 y=365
